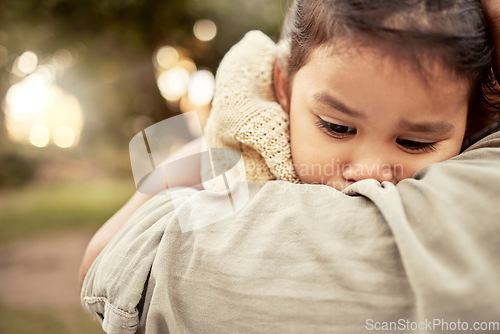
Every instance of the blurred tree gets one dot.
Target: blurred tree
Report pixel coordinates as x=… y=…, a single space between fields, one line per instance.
x=15 y=170
x=113 y=41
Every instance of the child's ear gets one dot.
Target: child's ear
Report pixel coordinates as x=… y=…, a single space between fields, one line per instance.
x=281 y=84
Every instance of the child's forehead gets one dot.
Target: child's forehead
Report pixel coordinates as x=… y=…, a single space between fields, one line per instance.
x=427 y=66
x=367 y=79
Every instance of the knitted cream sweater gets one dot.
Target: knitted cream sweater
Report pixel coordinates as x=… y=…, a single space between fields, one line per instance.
x=245 y=115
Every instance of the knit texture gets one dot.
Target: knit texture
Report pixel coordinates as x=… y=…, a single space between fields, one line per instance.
x=245 y=115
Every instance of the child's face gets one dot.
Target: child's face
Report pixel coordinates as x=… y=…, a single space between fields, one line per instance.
x=360 y=115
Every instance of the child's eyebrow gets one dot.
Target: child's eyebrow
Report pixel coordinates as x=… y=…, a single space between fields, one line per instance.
x=423 y=127
x=440 y=126
x=331 y=102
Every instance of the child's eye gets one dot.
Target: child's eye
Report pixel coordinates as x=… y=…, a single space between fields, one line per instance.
x=416 y=146
x=336 y=130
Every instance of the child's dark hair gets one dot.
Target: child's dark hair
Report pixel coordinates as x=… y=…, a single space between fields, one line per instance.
x=454 y=32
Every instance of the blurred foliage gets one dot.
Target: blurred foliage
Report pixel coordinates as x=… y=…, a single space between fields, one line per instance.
x=49 y=208
x=28 y=321
x=114 y=80
x=115 y=40
x=16 y=170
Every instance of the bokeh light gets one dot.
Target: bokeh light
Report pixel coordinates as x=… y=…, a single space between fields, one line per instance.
x=205 y=30
x=25 y=63
x=36 y=109
x=166 y=57
x=47 y=72
x=39 y=135
x=201 y=87
x=173 y=83
x=188 y=64
x=64 y=136
x=63 y=59
x=27 y=98
x=28 y=107
x=181 y=84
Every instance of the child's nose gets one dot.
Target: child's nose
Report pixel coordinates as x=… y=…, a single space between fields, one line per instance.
x=368 y=169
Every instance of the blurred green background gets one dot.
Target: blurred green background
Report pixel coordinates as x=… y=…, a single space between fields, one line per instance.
x=78 y=79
